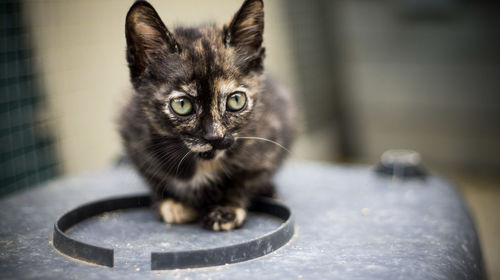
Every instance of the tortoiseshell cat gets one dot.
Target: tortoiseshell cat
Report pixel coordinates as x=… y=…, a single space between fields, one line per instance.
x=205 y=127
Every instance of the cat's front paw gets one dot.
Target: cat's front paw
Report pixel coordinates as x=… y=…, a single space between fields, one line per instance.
x=174 y=212
x=224 y=218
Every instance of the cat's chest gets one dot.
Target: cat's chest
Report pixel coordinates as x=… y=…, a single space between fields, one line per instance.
x=207 y=173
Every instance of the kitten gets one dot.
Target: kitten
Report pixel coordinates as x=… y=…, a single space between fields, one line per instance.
x=205 y=127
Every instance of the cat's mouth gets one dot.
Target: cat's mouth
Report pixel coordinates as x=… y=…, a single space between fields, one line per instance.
x=208 y=155
x=209 y=151
x=204 y=152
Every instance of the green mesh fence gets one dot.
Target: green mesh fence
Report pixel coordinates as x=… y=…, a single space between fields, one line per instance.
x=26 y=146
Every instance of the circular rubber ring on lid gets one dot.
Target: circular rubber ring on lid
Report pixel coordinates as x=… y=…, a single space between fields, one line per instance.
x=234 y=253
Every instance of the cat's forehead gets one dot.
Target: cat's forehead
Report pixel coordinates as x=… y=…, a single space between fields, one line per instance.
x=204 y=50
x=220 y=85
x=210 y=33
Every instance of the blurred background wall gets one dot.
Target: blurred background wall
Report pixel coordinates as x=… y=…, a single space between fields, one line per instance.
x=411 y=74
x=368 y=76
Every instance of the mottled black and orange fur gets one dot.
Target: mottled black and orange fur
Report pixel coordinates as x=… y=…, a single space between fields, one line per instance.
x=202 y=163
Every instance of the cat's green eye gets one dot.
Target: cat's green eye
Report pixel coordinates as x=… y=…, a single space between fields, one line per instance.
x=236 y=101
x=181 y=106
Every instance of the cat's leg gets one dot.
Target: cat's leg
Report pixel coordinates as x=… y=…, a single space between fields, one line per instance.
x=229 y=215
x=167 y=208
x=233 y=213
x=224 y=218
x=175 y=212
x=267 y=190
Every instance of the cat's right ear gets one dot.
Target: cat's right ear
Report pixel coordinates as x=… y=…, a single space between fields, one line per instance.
x=146 y=36
x=245 y=29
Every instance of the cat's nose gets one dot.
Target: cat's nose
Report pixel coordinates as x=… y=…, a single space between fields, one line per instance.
x=218 y=142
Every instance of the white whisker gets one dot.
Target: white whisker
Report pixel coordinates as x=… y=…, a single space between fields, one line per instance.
x=177 y=171
x=263 y=139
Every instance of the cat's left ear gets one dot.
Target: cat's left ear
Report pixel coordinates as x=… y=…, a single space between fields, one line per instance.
x=146 y=35
x=246 y=29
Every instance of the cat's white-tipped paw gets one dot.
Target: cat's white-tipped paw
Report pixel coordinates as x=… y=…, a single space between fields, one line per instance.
x=174 y=212
x=225 y=218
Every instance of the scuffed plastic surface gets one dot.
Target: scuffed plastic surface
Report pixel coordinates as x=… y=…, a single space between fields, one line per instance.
x=350 y=224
